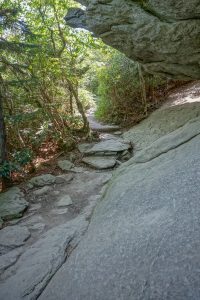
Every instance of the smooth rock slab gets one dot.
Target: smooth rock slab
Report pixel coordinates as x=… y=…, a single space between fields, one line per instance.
x=42 y=180
x=14 y=236
x=65 y=165
x=108 y=146
x=12 y=204
x=100 y=162
x=64 y=201
x=40 y=261
x=9 y=259
x=144 y=237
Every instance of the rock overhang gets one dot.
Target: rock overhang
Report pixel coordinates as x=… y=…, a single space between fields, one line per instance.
x=162 y=35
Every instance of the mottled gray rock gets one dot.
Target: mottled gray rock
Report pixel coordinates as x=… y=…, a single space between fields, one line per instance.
x=117 y=132
x=108 y=146
x=65 y=165
x=64 y=201
x=60 y=211
x=35 y=207
x=8 y=259
x=14 y=236
x=44 y=190
x=42 y=180
x=77 y=170
x=162 y=35
x=36 y=266
x=84 y=147
x=12 y=204
x=100 y=162
x=37 y=226
x=64 y=178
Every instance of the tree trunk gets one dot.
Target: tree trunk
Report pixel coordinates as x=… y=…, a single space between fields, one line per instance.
x=79 y=105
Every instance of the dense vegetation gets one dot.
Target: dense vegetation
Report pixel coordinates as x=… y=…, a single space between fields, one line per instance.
x=50 y=75
x=126 y=93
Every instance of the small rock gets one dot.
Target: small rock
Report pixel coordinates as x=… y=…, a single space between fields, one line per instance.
x=65 y=165
x=64 y=201
x=84 y=147
x=100 y=162
x=37 y=226
x=12 y=204
x=56 y=193
x=65 y=178
x=14 y=236
x=117 y=132
x=42 y=180
x=42 y=191
x=60 y=211
x=78 y=170
x=34 y=207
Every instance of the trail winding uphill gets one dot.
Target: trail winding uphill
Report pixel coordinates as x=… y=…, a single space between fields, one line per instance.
x=142 y=241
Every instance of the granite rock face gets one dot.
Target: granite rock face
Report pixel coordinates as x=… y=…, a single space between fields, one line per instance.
x=144 y=236
x=162 y=35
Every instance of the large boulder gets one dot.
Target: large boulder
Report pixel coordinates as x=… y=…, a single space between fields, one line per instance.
x=162 y=35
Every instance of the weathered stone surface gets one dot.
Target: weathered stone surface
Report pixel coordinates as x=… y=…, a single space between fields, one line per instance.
x=65 y=165
x=12 y=204
x=144 y=236
x=39 y=262
x=84 y=147
x=9 y=259
x=60 y=211
x=162 y=35
x=183 y=106
x=13 y=236
x=107 y=146
x=64 y=201
x=100 y=162
x=42 y=191
x=42 y=180
x=65 y=178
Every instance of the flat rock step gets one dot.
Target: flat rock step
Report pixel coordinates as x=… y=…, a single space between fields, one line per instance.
x=104 y=147
x=100 y=162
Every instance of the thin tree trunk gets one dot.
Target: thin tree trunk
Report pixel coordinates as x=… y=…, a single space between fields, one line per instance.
x=79 y=105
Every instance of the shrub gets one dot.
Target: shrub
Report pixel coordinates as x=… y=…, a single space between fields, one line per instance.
x=120 y=91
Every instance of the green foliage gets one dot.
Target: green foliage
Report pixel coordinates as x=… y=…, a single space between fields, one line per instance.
x=43 y=64
x=120 y=90
x=19 y=160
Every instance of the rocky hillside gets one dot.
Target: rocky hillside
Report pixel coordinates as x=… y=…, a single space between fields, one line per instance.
x=163 y=35
x=144 y=238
